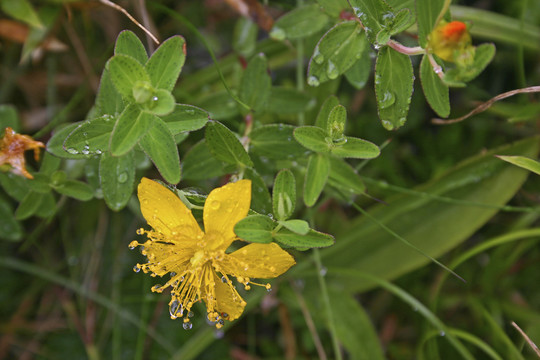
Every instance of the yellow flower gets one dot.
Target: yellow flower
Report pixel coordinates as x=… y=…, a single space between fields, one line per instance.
x=197 y=261
x=12 y=148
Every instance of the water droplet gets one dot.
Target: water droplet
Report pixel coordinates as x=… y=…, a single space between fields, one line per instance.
x=187 y=325
x=190 y=111
x=140 y=231
x=313 y=81
x=402 y=121
x=332 y=71
x=388 y=99
x=215 y=205
x=442 y=333
x=155 y=98
x=323 y=271
x=98 y=151
x=72 y=151
x=190 y=314
x=223 y=279
x=387 y=124
x=86 y=150
x=318 y=57
x=277 y=33
x=122 y=177
x=175 y=308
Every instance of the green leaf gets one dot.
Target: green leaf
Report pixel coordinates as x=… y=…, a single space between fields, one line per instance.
x=158 y=143
x=483 y=56
x=523 y=162
x=312 y=138
x=275 y=141
x=327 y=106
x=9 y=118
x=255 y=85
x=317 y=172
x=40 y=183
x=21 y=10
x=14 y=185
x=49 y=164
x=46 y=205
x=336 y=52
x=284 y=195
x=374 y=15
x=225 y=146
x=185 y=118
x=161 y=103
x=313 y=239
x=401 y=21
x=29 y=205
x=75 y=189
x=482 y=179
x=300 y=227
x=200 y=164
x=427 y=12
x=165 y=64
x=261 y=201
x=354 y=328
x=358 y=74
x=220 y=105
x=55 y=145
x=299 y=23
x=337 y=119
x=288 y=101
x=435 y=90
x=127 y=43
x=245 y=36
x=108 y=99
x=355 y=148
x=117 y=177
x=129 y=128
x=344 y=177
x=333 y=7
x=393 y=87
x=91 y=137
x=125 y=72
x=10 y=229
x=255 y=228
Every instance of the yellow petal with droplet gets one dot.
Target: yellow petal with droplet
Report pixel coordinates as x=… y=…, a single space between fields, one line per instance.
x=165 y=212
x=228 y=301
x=262 y=261
x=224 y=207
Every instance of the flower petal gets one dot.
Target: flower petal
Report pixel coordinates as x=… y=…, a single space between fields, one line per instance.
x=228 y=301
x=224 y=207
x=165 y=212
x=262 y=261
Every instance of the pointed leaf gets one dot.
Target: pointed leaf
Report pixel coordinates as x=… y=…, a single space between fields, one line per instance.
x=125 y=72
x=165 y=64
x=185 y=118
x=225 y=145
x=90 y=137
x=356 y=148
x=299 y=23
x=284 y=195
x=127 y=43
x=336 y=52
x=255 y=228
x=108 y=100
x=256 y=83
x=337 y=119
x=21 y=10
x=55 y=145
x=75 y=189
x=312 y=138
x=435 y=90
x=117 y=179
x=327 y=106
x=317 y=172
x=393 y=87
x=275 y=141
x=523 y=162
x=313 y=239
x=158 y=143
x=300 y=227
x=129 y=128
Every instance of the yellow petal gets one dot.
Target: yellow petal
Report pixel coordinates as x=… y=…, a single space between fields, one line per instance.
x=228 y=301
x=224 y=207
x=165 y=212
x=263 y=261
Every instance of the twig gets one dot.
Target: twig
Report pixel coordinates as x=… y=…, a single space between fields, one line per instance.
x=124 y=11
x=527 y=339
x=487 y=104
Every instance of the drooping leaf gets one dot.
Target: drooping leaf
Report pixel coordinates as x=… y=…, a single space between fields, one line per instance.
x=336 y=52
x=225 y=146
x=256 y=83
x=158 y=143
x=435 y=90
x=393 y=87
x=165 y=64
x=299 y=23
x=132 y=124
x=284 y=195
x=127 y=43
x=117 y=178
x=317 y=172
x=275 y=141
x=255 y=228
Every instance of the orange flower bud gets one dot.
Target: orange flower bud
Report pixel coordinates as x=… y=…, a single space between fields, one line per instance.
x=451 y=41
x=12 y=148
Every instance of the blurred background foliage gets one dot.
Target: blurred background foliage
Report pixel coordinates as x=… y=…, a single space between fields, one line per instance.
x=68 y=289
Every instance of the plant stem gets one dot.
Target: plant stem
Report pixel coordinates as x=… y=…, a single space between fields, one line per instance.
x=417 y=50
x=300 y=68
x=327 y=305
